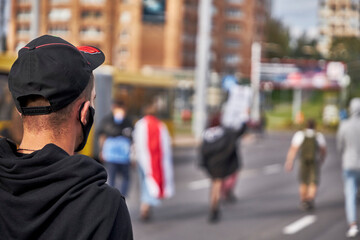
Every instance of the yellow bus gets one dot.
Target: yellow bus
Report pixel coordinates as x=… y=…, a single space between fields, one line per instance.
x=10 y=122
x=134 y=89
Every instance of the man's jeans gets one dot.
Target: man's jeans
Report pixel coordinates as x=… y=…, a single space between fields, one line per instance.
x=124 y=170
x=351 y=180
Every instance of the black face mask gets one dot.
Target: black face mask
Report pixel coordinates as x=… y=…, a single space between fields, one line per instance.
x=85 y=128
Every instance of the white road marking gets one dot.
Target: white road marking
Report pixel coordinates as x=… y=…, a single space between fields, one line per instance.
x=199 y=184
x=247 y=173
x=299 y=224
x=272 y=169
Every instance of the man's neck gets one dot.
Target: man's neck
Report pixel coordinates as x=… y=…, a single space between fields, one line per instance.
x=35 y=141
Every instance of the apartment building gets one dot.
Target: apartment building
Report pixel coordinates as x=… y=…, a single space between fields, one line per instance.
x=138 y=34
x=236 y=25
x=337 y=18
x=80 y=22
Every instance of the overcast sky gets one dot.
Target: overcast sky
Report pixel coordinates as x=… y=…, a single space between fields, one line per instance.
x=298 y=15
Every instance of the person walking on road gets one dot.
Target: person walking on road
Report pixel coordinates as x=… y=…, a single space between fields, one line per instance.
x=221 y=160
x=154 y=156
x=115 y=139
x=311 y=146
x=348 y=143
x=47 y=191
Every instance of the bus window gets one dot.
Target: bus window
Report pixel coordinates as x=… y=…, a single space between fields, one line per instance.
x=135 y=98
x=10 y=120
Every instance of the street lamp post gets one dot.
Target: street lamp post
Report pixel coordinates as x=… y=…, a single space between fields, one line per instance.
x=202 y=67
x=34 y=27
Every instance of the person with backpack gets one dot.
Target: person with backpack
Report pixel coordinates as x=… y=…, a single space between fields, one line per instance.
x=311 y=146
x=115 y=140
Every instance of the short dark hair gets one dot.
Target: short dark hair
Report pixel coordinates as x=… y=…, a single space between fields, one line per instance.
x=54 y=119
x=311 y=123
x=118 y=103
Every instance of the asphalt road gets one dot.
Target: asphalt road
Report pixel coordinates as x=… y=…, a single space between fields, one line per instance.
x=267 y=206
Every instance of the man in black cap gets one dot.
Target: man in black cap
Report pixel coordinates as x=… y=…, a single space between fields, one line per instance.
x=46 y=191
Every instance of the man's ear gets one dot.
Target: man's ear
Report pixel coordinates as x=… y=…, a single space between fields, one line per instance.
x=84 y=110
x=18 y=112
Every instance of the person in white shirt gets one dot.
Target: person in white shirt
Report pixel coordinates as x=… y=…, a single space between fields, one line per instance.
x=311 y=146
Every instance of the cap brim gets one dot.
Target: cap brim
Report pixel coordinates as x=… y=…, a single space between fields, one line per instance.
x=93 y=55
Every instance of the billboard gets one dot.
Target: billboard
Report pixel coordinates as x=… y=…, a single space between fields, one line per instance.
x=303 y=74
x=153 y=11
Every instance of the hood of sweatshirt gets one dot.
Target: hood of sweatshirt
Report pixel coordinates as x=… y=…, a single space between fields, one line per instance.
x=49 y=194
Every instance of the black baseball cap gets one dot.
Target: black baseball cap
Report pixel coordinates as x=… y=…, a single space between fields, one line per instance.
x=53 y=68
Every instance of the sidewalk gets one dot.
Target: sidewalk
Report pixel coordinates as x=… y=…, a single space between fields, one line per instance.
x=187 y=140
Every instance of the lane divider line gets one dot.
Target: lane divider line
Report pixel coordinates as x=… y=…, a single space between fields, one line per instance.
x=272 y=169
x=200 y=184
x=299 y=225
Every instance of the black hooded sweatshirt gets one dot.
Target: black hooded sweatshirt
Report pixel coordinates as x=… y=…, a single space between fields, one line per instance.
x=49 y=194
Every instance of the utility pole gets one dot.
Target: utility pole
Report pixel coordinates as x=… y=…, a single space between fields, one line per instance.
x=35 y=15
x=202 y=67
x=296 y=105
x=255 y=81
x=2 y=25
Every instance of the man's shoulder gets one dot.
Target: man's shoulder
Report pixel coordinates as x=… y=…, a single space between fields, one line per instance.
x=299 y=133
x=348 y=125
x=96 y=179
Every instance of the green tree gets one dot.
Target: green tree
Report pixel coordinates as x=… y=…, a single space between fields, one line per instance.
x=347 y=50
x=305 y=48
x=277 y=39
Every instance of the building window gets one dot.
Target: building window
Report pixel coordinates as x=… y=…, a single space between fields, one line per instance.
x=232 y=43
x=123 y=52
x=333 y=7
x=213 y=57
x=93 y=2
x=189 y=56
x=91 y=32
x=233 y=27
x=23 y=30
x=60 y=14
x=214 y=10
x=191 y=5
x=60 y=1
x=124 y=35
x=59 y=30
x=232 y=59
x=23 y=1
x=188 y=38
x=233 y=13
x=354 y=6
x=235 y=1
x=91 y=14
x=24 y=15
x=125 y=17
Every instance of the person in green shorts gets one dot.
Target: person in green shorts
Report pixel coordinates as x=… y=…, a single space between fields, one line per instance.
x=311 y=146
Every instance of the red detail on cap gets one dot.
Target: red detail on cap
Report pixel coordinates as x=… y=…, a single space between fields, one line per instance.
x=51 y=44
x=88 y=49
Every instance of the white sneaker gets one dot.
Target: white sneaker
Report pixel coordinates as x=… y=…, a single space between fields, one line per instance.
x=353 y=230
